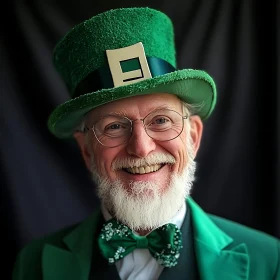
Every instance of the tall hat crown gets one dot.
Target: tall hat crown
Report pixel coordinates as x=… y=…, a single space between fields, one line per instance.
x=121 y=53
x=83 y=49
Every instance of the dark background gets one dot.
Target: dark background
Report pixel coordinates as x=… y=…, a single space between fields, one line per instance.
x=44 y=183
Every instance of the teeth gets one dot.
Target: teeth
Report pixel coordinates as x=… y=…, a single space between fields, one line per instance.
x=143 y=169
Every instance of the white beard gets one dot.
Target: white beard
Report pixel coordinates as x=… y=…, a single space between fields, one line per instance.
x=145 y=207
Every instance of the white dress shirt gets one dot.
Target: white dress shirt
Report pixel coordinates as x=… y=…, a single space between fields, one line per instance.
x=139 y=264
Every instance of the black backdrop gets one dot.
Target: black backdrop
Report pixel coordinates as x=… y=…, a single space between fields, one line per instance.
x=45 y=185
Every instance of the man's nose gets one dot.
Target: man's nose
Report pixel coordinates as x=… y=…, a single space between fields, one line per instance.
x=140 y=143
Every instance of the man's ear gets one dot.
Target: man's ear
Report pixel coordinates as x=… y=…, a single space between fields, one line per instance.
x=196 y=132
x=84 y=148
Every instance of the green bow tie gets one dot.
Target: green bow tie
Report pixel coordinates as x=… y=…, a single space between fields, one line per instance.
x=117 y=240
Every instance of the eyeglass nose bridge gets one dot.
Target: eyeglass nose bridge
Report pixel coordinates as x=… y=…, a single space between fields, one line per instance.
x=132 y=127
x=142 y=120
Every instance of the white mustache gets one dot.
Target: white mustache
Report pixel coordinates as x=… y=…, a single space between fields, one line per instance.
x=157 y=158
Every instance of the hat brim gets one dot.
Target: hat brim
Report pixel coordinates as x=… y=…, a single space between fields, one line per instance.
x=192 y=86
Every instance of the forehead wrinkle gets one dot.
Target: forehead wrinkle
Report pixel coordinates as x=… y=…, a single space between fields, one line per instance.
x=165 y=106
x=123 y=112
x=91 y=119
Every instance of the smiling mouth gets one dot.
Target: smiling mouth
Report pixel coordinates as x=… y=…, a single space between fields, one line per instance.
x=143 y=169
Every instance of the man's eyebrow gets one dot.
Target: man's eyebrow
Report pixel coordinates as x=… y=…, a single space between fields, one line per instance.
x=122 y=113
x=119 y=114
x=163 y=107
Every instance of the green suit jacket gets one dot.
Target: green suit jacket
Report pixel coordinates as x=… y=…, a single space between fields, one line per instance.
x=224 y=251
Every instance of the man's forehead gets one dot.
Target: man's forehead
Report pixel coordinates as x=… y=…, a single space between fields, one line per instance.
x=144 y=103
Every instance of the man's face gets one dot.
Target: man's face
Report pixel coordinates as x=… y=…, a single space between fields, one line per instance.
x=159 y=160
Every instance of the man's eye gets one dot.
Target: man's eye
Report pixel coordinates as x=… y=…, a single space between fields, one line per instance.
x=160 y=120
x=114 y=126
x=160 y=123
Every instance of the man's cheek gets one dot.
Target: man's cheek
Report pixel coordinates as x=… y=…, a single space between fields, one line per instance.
x=100 y=168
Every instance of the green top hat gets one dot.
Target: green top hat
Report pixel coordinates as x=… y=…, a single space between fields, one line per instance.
x=118 y=54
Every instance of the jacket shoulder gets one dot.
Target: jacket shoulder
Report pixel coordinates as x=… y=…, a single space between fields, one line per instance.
x=28 y=260
x=243 y=233
x=54 y=238
x=263 y=249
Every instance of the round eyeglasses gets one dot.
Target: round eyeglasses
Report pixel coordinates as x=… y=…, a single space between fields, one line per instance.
x=161 y=125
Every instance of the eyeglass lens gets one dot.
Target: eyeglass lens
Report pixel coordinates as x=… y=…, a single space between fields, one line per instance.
x=161 y=125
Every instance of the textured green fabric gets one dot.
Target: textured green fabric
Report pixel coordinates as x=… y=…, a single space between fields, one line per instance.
x=83 y=50
x=224 y=250
x=117 y=240
x=102 y=77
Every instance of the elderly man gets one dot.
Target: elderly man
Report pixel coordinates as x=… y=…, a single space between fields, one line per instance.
x=138 y=122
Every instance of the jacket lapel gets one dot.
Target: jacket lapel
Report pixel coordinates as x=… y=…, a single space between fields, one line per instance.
x=73 y=262
x=217 y=258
